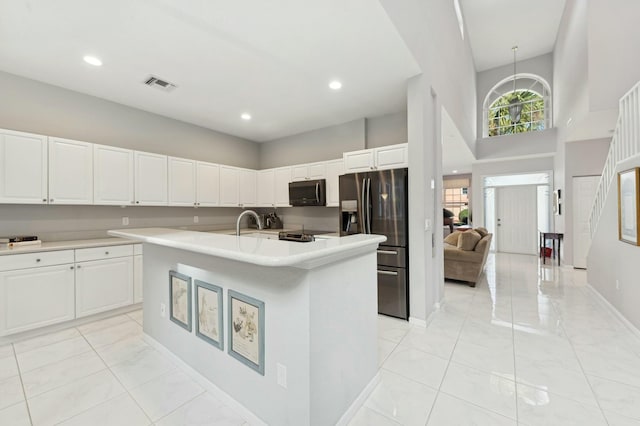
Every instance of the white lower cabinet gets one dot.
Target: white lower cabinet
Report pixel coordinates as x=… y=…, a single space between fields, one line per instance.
x=102 y=285
x=137 y=279
x=45 y=288
x=36 y=297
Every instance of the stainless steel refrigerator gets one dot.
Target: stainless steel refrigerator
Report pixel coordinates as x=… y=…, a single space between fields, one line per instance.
x=376 y=203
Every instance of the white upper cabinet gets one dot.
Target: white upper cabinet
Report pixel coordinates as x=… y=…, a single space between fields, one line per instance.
x=112 y=175
x=182 y=182
x=359 y=161
x=282 y=177
x=150 y=179
x=392 y=156
x=266 y=188
x=207 y=184
x=308 y=171
x=247 y=183
x=70 y=172
x=23 y=168
x=229 y=193
x=333 y=171
x=385 y=157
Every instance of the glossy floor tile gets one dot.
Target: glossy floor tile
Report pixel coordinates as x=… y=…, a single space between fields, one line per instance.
x=530 y=345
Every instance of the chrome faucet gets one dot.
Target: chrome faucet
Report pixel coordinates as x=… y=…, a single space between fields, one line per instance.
x=243 y=214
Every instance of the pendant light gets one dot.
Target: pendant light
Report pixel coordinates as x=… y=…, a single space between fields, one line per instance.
x=515 y=105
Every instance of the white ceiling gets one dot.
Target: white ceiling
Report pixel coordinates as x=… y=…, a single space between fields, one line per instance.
x=495 y=26
x=272 y=59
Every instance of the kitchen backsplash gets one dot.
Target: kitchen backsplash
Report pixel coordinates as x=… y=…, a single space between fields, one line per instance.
x=62 y=223
x=315 y=218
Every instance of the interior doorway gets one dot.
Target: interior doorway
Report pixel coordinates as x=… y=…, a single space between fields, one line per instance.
x=584 y=191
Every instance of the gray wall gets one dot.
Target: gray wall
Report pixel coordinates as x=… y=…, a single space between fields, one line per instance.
x=610 y=260
x=31 y=106
x=317 y=145
x=530 y=143
x=387 y=129
x=584 y=158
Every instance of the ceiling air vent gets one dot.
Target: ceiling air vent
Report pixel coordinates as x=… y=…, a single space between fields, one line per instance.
x=159 y=84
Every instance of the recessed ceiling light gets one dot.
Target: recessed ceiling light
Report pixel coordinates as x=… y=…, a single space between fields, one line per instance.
x=246 y=116
x=93 y=61
x=454 y=171
x=335 y=85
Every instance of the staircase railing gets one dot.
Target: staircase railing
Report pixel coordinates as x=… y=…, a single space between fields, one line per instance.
x=625 y=144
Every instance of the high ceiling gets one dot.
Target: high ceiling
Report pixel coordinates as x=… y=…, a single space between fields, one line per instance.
x=272 y=59
x=495 y=26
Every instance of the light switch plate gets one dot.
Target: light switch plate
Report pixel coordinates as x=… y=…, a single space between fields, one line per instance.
x=282 y=375
x=125 y=221
x=196 y=219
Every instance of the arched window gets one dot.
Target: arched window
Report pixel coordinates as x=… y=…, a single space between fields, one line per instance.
x=532 y=98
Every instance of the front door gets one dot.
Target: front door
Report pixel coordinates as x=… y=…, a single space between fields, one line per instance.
x=516 y=219
x=584 y=192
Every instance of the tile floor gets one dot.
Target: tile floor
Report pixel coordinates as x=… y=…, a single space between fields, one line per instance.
x=531 y=345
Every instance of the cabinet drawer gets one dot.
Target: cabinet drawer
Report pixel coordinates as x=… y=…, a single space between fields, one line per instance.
x=98 y=253
x=137 y=249
x=32 y=260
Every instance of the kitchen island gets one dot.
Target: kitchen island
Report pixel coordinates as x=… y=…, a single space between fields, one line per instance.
x=319 y=301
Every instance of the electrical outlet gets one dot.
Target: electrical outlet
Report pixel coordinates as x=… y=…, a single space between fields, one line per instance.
x=282 y=375
x=125 y=220
x=163 y=310
x=196 y=219
x=617 y=284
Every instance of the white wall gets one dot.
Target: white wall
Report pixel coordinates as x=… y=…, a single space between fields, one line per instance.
x=530 y=143
x=430 y=30
x=481 y=170
x=614 y=37
x=584 y=158
x=610 y=260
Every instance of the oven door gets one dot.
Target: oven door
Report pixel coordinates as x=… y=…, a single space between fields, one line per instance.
x=393 y=292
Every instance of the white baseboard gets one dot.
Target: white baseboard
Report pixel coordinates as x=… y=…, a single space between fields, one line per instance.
x=205 y=383
x=359 y=401
x=417 y=321
x=14 y=338
x=632 y=328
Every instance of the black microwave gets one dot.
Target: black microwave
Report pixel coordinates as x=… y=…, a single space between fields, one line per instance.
x=308 y=193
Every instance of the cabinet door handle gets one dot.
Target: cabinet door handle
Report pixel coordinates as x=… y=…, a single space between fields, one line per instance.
x=70 y=267
x=51 y=200
x=78 y=266
x=106 y=252
x=37 y=260
x=137 y=202
x=44 y=200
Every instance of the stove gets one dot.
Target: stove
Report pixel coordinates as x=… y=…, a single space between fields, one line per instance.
x=301 y=236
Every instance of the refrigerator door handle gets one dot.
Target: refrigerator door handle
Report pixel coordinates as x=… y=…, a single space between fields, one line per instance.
x=387 y=273
x=369 y=206
x=363 y=209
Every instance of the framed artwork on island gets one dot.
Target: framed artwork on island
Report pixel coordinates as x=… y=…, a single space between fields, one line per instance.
x=246 y=330
x=180 y=299
x=629 y=206
x=209 y=313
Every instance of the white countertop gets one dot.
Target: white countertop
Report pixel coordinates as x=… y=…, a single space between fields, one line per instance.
x=65 y=245
x=258 y=251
